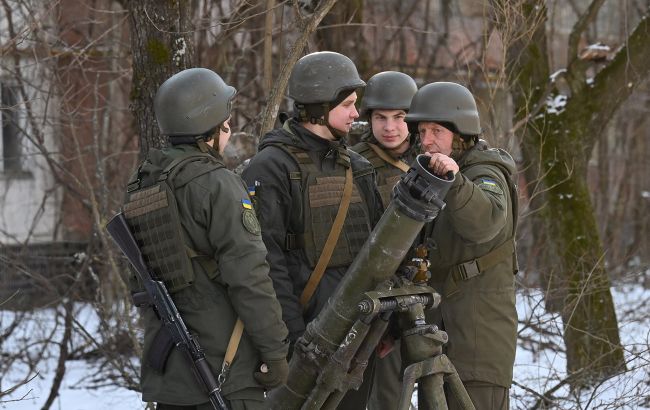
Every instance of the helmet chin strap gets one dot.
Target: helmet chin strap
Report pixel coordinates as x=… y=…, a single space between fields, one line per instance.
x=305 y=115
x=336 y=133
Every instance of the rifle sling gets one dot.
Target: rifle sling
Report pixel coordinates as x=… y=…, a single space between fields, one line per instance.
x=233 y=343
x=330 y=244
x=163 y=343
x=394 y=162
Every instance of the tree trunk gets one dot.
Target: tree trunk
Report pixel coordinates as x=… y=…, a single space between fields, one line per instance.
x=558 y=140
x=162 y=45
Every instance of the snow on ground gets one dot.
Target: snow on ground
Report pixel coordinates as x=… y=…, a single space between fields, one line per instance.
x=542 y=369
x=539 y=366
x=78 y=389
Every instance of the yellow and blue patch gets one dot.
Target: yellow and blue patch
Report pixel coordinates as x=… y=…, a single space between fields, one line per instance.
x=251 y=190
x=490 y=186
x=246 y=203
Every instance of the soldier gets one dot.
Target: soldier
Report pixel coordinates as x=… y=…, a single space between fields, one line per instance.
x=471 y=243
x=390 y=149
x=305 y=178
x=229 y=274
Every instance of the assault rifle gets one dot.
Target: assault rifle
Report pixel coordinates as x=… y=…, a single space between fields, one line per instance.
x=166 y=310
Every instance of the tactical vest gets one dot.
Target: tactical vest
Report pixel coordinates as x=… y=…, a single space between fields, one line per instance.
x=387 y=174
x=152 y=213
x=316 y=197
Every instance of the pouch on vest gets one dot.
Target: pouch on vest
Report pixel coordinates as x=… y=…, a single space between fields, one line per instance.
x=152 y=214
x=316 y=200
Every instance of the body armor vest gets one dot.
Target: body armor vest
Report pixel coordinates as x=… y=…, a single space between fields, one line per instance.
x=318 y=200
x=152 y=214
x=387 y=174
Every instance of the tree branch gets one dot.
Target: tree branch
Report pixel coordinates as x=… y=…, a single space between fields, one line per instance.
x=308 y=27
x=581 y=25
x=616 y=82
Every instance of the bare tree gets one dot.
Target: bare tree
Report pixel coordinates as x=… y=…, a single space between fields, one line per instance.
x=561 y=124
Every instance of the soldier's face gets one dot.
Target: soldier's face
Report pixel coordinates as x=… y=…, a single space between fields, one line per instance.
x=435 y=138
x=224 y=136
x=343 y=115
x=389 y=128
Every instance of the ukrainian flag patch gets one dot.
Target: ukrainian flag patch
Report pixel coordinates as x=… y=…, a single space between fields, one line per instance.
x=251 y=190
x=490 y=186
x=246 y=203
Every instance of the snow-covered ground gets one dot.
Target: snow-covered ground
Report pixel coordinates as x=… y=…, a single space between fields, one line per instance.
x=539 y=367
x=542 y=370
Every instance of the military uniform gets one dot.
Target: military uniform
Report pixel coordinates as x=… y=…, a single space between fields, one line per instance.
x=387 y=173
x=229 y=280
x=387 y=384
x=299 y=178
x=472 y=254
x=389 y=91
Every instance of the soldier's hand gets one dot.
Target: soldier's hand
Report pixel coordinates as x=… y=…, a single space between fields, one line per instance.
x=441 y=164
x=275 y=375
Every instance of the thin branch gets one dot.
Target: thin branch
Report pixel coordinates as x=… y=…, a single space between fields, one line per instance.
x=306 y=29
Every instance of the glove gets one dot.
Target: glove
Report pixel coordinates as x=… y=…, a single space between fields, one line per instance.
x=276 y=374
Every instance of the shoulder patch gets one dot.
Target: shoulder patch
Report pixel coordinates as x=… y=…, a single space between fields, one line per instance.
x=246 y=203
x=490 y=186
x=250 y=222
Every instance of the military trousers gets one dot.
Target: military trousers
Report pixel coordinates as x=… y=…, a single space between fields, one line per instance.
x=247 y=399
x=485 y=396
x=387 y=385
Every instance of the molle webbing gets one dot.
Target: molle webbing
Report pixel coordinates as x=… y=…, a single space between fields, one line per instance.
x=386 y=189
x=326 y=192
x=321 y=193
x=152 y=214
x=153 y=217
x=389 y=170
x=330 y=243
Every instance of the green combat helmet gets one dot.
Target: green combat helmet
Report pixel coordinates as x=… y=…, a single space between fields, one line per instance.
x=388 y=90
x=318 y=81
x=446 y=103
x=192 y=102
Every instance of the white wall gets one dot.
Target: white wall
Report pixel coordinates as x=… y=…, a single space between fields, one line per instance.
x=29 y=201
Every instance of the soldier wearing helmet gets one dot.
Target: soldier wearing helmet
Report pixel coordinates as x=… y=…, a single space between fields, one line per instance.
x=228 y=278
x=387 y=145
x=390 y=148
x=471 y=244
x=301 y=174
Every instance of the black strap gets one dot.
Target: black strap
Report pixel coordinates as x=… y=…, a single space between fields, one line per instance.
x=294 y=241
x=468 y=270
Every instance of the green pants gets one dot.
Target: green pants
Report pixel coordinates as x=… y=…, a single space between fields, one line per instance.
x=247 y=399
x=387 y=386
x=485 y=396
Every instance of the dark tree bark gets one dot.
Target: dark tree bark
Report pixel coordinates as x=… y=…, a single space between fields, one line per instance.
x=557 y=141
x=162 y=45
